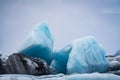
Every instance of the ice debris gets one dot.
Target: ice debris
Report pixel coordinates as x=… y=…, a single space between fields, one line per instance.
x=92 y=76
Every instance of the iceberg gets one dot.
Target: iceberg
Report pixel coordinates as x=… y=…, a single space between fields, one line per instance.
x=60 y=59
x=86 y=56
x=39 y=43
x=117 y=53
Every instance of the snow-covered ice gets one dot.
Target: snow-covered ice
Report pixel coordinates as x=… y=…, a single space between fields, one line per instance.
x=87 y=56
x=39 y=43
x=92 y=76
x=3 y=56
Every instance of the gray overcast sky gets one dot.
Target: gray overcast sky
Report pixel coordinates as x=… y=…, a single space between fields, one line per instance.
x=67 y=19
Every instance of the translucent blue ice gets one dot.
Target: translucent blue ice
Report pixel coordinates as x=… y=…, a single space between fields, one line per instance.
x=39 y=43
x=87 y=56
x=60 y=59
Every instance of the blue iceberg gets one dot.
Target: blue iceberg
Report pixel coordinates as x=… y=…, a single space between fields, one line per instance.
x=60 y=59
x=39 y=43
x=86 y=56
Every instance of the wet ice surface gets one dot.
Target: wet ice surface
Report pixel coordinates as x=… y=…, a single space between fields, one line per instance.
x=92 y=76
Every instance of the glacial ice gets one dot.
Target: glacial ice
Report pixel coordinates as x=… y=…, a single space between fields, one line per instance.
x=92 y=76
x=39 y=43
x=86 y=56
x=60 y=59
